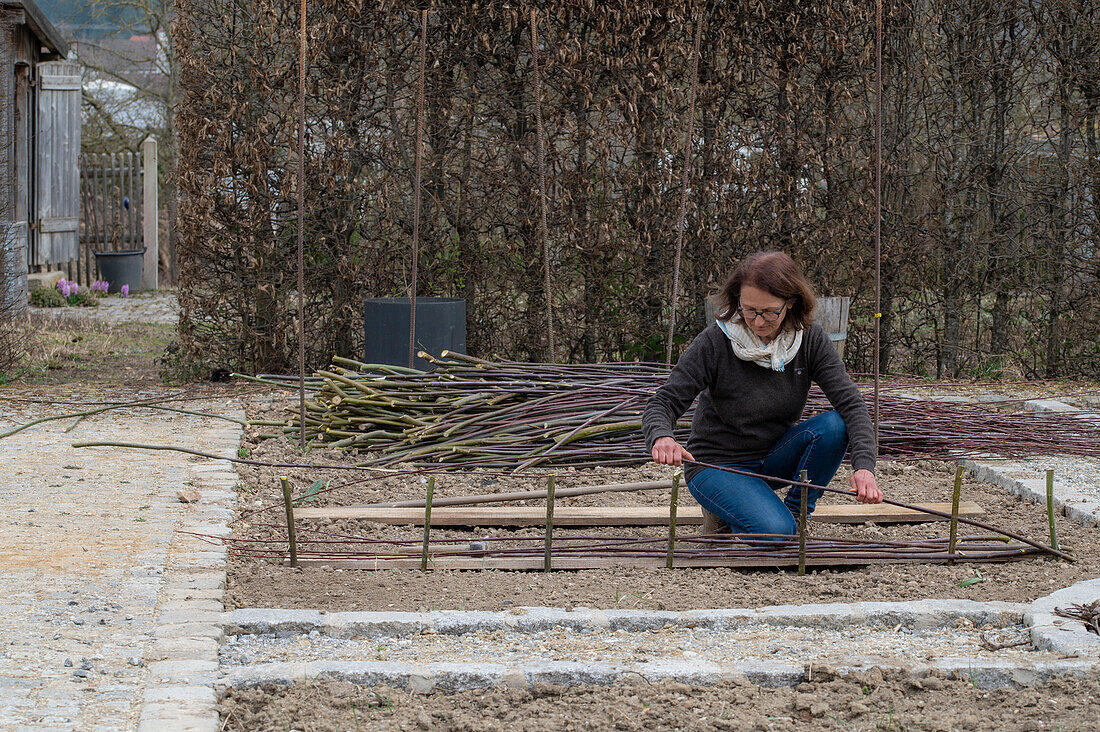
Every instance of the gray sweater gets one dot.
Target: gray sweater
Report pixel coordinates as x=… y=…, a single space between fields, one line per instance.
x=744 y=408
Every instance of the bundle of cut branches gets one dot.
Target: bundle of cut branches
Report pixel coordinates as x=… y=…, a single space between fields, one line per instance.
x=1089 y=614
x=468 y=411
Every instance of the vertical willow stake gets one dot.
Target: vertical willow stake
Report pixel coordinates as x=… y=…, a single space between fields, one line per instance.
x=955 y=511
x=804 y=478
x=301 y=226
x=1050 y=510
x=290 y=522
x=672 y=519
x=416 y=183
x=549 y=522
x=540 y=137
x=427 y=523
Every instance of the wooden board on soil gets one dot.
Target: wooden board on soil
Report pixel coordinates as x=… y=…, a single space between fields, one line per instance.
x=610 y=515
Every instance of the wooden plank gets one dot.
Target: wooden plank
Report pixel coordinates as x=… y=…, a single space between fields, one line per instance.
x=609 y=515
x=575 y=563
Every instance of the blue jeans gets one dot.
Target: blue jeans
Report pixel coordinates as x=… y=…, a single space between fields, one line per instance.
x=750 y=505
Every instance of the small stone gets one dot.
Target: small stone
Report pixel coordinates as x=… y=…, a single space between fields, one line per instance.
x=80 y=673
x=129 y=617
x=85 y=664
x=314 y=634
x=477 y=546
x=72 y=602
x=135 y=661
x=423 y=720
x=68 y=663
x=78 y=621
x=189 y=496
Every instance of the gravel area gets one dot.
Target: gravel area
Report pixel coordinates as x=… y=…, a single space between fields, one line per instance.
x=1080 y=474
x=159 y=306
x=749 y=643
x=89 y=543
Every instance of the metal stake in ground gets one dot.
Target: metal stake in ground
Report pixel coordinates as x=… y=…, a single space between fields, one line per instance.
x=549 y=522
x=1050 y=510
x=291 y=538
x=672 y=519
x=955 y=511
x=427 y=523
x=804 y=477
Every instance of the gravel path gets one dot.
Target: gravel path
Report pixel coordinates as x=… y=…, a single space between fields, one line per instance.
x=160 y=306
x=763 y=643
x=89 y=543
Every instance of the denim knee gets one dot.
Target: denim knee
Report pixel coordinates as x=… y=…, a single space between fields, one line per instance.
x=831 y=426
x=781 y=524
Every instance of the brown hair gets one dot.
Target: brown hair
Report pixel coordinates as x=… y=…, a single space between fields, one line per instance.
x=775 y=273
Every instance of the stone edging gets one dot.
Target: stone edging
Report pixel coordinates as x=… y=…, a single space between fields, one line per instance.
x=916 y=615
x=421 y=678
x=182 y=660
x=1075 y=505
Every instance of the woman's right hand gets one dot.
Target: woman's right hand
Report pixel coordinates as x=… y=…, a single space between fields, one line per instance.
x=668 y=451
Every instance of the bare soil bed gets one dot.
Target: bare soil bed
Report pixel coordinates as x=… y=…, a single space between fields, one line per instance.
x=265 y=582
x=867 y=701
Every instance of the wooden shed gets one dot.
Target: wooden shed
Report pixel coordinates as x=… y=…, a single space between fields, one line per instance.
x=39 y=147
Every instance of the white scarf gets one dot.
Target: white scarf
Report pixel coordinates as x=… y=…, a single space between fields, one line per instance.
x=748 y=346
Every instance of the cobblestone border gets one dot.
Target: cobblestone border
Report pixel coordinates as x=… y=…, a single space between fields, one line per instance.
x=182 y=661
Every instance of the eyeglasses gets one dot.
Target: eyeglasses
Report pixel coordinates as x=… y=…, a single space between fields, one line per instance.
x=770 y=316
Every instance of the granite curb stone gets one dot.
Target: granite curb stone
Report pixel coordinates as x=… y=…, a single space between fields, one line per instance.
x=983 y=673
x=1050 y=632
x=917 y=615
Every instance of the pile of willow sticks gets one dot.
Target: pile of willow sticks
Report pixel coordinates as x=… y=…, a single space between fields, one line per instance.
x=517 y=415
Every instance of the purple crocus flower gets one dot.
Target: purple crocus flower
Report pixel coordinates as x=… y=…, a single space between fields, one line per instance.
x=125 y=290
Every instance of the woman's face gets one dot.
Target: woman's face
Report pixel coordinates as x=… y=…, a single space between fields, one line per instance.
x=755 y=305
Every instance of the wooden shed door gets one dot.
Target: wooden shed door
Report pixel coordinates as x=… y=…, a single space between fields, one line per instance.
x=57 y=163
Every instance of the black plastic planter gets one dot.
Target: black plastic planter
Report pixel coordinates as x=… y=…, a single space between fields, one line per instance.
x=440 y=325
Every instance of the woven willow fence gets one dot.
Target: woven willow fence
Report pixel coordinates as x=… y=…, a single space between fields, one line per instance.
x=991 y=187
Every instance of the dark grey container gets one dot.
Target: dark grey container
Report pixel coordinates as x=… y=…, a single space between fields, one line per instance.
x=121 y=268
x=440 y=325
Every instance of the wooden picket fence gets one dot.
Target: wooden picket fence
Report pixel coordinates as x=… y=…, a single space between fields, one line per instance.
x=111 y=190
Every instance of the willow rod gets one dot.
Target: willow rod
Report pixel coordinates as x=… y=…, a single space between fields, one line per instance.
x=955 y=495
x=1050 y=509
x=901 y=504
x=878 y=207
x=301 y=220
x=525 y=495
x=672 y=506
x=540 y=142
x=416 y=185
x=681 y=219
x=292 y=539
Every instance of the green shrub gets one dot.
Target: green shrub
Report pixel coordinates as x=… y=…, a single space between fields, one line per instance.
x=47 y=297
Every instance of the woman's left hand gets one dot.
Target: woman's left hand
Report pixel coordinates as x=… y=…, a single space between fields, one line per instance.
x=866 y=487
